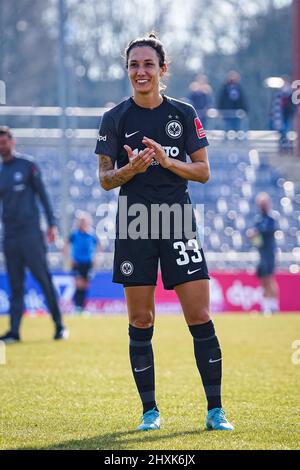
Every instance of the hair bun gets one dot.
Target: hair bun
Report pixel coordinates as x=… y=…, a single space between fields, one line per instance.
x=153 y=35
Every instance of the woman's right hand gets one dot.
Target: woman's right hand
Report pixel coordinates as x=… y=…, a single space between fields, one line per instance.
x=141 y=162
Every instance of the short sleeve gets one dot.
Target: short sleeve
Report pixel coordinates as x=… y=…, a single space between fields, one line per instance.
x=107 y=140
x=195 y=134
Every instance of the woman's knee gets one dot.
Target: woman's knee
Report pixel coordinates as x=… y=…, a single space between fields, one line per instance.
x=142 y=319
x=197 y=316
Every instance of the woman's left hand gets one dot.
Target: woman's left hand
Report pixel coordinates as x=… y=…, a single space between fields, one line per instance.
x=160 y=155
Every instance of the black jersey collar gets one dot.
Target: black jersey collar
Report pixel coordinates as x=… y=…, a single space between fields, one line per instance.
x=149 y=109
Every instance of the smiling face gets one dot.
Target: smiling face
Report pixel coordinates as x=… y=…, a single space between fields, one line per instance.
x=144 y=71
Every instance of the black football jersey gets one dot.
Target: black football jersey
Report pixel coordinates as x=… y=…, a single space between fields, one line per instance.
x=173 y=124
x=20 y=183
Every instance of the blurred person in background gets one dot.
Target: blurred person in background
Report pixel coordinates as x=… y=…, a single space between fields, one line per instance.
x=232 y=102
x=20 y=185
x=282 y=111
x=83 y=244
x=200 y=96
x=262 y=236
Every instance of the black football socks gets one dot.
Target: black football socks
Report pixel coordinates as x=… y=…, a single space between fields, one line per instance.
x=142 y=364
x=209 y=361
x=79 y=297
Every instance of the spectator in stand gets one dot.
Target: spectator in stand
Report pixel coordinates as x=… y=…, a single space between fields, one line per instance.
x=232 y=102
x=200 y=96
x=282 y=111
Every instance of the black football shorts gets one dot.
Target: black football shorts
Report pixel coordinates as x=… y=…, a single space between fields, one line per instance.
x=266 y=266
x=82 y=269
x=136 y=261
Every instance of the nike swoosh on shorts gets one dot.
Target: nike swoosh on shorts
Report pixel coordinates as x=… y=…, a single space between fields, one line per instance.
x=192 y=272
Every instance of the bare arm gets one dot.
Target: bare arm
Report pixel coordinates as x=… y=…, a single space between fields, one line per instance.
x=112 y=178
x=197 y=170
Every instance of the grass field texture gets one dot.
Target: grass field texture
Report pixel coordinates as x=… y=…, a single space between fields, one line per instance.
x=79 y=394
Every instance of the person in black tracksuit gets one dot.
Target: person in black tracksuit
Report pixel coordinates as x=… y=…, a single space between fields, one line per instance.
x=23 y=244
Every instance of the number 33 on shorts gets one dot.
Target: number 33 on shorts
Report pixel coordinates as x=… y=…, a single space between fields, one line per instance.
x=188 y=252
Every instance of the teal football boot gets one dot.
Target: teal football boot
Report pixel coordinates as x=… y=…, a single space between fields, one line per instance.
x=217 y=421
x=150 y=421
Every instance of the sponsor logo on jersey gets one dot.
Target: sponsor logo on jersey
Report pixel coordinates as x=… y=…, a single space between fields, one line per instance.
x=102 y=138
x=126 y=268
x=199 y=128
x=18 y=176
x=174 y=129
x=170 y=151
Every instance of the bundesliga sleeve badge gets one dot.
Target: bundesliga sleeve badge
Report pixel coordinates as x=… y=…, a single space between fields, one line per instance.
x=199 y=128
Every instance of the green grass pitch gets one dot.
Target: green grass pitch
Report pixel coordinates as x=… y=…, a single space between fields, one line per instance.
x=80 y=394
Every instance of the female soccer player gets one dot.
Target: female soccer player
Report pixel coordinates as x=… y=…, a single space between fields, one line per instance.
x=149 y=135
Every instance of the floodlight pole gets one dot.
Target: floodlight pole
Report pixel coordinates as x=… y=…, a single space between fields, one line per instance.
x=64 y=147
x=296 y=62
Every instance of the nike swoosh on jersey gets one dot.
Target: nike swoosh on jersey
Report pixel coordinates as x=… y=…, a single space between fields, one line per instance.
x=130 y=135
x=192 y=272
x=214 y=360
x=141 y=370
